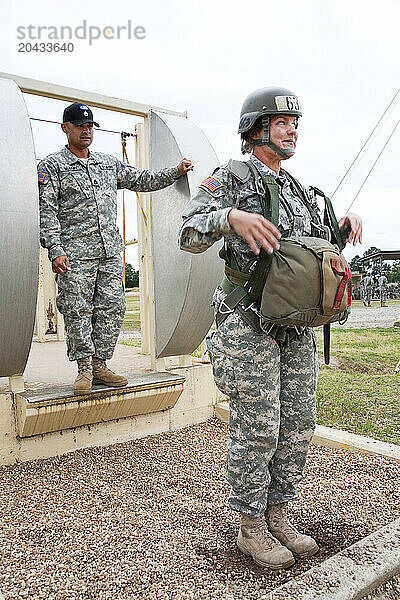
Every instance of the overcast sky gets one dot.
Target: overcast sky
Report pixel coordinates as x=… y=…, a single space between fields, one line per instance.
x=340 y=57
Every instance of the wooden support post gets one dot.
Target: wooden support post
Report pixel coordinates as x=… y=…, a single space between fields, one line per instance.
x=47 y=293
x=60 y=327
x=185 y=360
x=16 y=383
x=41 y=321
x=145 y=249
x=203 y=350
x=157 y=364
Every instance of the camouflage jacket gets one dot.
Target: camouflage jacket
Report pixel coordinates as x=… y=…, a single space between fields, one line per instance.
x=382 y=282
x=367 y=282
x=205 y=218
x=78 y=201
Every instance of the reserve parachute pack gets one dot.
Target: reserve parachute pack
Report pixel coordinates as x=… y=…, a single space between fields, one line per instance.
x=306 y=283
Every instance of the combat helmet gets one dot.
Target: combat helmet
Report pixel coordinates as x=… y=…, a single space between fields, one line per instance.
x=263 y=103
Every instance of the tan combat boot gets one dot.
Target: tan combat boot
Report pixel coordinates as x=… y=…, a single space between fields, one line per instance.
x=277 y=520
x=255 y=540
x=102 y=374
x=83 y=383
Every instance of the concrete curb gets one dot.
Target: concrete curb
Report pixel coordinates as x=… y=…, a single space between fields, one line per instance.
x=336 y=438
x=350 y=574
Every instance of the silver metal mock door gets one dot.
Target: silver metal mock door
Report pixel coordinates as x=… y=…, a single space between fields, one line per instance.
x=19 y=231
x=183 y=282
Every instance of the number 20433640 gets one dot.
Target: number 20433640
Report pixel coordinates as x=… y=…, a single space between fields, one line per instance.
x=45 y=47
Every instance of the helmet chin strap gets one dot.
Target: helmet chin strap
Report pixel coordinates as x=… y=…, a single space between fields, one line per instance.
x=283 y=153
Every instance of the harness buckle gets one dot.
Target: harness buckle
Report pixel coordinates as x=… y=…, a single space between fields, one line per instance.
x=225 y=312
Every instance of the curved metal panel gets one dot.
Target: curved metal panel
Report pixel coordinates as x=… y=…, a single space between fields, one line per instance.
x=19 y=231
x=183 y=282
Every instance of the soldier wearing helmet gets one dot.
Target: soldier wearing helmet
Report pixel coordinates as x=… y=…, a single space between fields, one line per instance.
x=270 y=376
x=256 y=113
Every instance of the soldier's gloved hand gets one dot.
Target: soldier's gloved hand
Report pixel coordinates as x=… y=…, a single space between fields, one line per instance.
x=352 y=222
x=184 y=166
x=255 y=228
x=61 y=264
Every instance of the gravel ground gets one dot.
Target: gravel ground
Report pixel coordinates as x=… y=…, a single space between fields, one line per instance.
x=148 y=519
x=372 y=316
x=388 y=591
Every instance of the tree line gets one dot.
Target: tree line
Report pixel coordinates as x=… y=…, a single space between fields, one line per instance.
x=131 y=276
x=390 y=269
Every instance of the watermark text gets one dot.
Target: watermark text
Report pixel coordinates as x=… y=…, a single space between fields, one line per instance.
x=85 y=31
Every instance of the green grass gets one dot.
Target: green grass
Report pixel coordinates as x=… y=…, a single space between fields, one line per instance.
x=132 y=315
x=360 y=391
x=137 y=342
x=375 y=303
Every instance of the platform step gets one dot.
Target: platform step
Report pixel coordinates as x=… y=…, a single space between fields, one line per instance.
x=56 y=408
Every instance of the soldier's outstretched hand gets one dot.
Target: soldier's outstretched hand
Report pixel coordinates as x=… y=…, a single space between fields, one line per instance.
x=353 y=224
x=255 y=228
x=184 y=166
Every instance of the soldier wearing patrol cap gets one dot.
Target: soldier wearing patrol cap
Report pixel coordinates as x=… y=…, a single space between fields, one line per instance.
x=269 y=375
x=78 y=226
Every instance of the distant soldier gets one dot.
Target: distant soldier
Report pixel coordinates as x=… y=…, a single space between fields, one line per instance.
x=368 y=283
x=362 y=291
x=383 y=287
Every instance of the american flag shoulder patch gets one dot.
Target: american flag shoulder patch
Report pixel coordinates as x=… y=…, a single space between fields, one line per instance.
x=42 y=177
x=211 y=184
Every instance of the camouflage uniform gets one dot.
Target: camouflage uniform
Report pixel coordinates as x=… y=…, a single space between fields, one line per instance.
x=78 y=217
x=271 y=385
x=368 y=288
x=362 y=291
x=383 y=284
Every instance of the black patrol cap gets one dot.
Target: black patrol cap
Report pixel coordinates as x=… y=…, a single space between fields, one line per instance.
x=78 y=114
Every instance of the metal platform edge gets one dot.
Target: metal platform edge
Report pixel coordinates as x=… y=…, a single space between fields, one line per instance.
x=58 y=394
x=37 y=415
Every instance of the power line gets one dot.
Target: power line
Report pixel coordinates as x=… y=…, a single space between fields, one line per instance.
x=97 y=128
x=389 y=109
x=370 y=171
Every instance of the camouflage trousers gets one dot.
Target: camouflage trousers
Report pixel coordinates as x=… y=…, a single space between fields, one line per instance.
x=383 y=295
x=271 y=391
x=91 y=298
x=368 y=294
